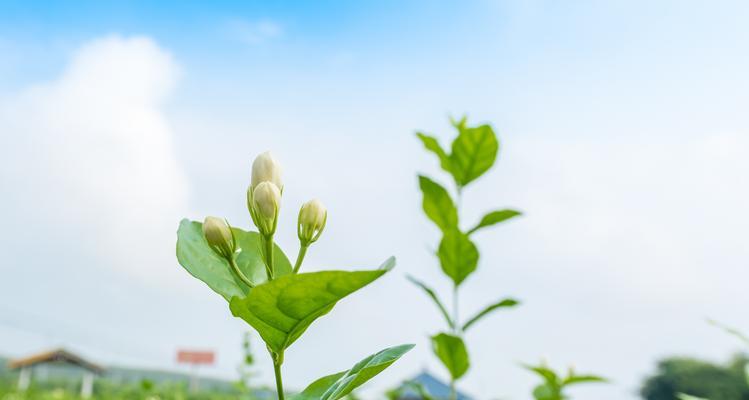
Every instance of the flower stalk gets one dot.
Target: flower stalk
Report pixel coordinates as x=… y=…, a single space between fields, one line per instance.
x=277 y=362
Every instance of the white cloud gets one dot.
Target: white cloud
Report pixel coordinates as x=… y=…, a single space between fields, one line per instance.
x=90 y=159
x=254 y=32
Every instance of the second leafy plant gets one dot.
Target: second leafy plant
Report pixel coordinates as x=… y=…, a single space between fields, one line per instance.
x=473 y=152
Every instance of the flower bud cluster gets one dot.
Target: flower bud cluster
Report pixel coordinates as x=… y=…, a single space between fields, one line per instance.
x=264 y=203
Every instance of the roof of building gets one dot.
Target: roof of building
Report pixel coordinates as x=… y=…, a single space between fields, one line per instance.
x=433 y=386
x=58 y=355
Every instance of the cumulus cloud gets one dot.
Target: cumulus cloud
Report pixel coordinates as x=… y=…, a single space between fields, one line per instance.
x=89 y=162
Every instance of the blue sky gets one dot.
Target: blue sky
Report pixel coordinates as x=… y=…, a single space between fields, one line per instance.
x=624 y=136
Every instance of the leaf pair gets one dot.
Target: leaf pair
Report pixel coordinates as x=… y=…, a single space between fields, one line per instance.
x=458 y=255
x=281 y=310
x=504 y=303
x=554 y=385
x=438 y=205
x=473 y=152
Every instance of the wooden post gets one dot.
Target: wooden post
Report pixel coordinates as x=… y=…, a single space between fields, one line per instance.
x=24 y=378
x=87 y=386
x=194 y=378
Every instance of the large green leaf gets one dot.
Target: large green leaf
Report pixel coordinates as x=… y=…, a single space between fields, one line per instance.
x=494 y=217
x=437 y=204
x=452 y=352
x=500 y=304
x=433 y=295
x=282 y=309
x=431 y=144
x=194 y=254
x=458 y=255
x=473 y=153
x=336 y=386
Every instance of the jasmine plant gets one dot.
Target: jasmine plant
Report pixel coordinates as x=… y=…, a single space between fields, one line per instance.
x=472 y=153
x=251 y=272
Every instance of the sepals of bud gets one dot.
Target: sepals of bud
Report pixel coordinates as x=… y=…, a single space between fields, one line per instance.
x=219 y=236
x=312 y=218
x=264 y=203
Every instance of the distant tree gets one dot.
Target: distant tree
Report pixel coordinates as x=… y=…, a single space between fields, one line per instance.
x=697 y=378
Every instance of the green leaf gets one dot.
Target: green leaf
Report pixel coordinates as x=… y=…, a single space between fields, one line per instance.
x=500 y=304
x=548 y=375
x=431 y=144
x=473 y=153
x=458 y=256
x=452 y=352
x=493 y=218
x=282 y=309
x=431 y=293
x=336 y=386
x=459 y=123
x=545 y=392
x=437 y=204
x=731 y=331
x=575 y=379
x=194 y=254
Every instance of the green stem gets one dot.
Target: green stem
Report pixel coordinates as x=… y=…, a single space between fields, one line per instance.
x=268 y=241
x=300 y=257
x=453 y=391
x=242 y=277
x=456 y=314
x=277 y=361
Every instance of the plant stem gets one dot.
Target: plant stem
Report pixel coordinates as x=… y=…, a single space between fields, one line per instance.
x=453 y=391
x=277 y=361
x=456 y=315
x=268 y=241
x=242 y=277
x=300 y=257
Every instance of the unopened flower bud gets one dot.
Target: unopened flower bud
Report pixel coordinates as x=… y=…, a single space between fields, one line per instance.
x=312 y=219
x=266 y=201
x=265 y=168
x=219 y=236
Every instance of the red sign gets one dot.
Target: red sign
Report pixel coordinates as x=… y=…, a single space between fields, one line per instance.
x=195 y=357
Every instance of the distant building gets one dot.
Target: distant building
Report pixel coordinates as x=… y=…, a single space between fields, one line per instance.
x=52 y=361
x=436 y=388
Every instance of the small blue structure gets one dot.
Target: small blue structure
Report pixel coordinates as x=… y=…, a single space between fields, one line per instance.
x=436 y=388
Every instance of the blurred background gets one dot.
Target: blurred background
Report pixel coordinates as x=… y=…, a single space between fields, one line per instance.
x=623 y=131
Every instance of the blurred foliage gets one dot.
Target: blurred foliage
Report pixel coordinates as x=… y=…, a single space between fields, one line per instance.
x=245 y=369
x=419 y=389
x=103 y=389
x=697 y=378
x=553 y=384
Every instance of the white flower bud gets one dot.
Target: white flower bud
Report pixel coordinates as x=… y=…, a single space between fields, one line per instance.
x=219 y=236
x=266 y=201
x=265 y=168
x=312 y=219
